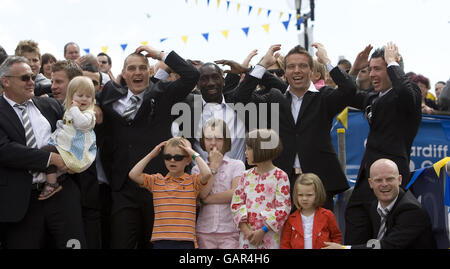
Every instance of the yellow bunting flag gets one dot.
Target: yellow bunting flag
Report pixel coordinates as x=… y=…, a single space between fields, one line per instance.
x=218 y=3
x=259 y=11
x=105 y=49
x=225 y=33
x=185 y=38
x=437 y=166
x=144 y=43
x=266 y=27
x=281 y=14
x=238 y=7
x=343 y=117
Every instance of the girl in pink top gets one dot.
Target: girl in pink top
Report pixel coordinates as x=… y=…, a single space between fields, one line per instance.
x=215 y=227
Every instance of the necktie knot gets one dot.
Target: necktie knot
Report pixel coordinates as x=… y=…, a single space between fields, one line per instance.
x=134 y=99
x=21 y=106
x=131 y=109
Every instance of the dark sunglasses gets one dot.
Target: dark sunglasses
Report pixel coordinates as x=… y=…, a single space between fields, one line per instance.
x=177 y=157
x=25 y=78
x=103 y=62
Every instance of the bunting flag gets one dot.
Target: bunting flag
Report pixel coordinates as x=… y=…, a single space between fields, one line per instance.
x=87 y=50
x=245 y=29
x=268 y=12
x=144 y=43
x=162 y=39
x=225 y=33
x=281 y=14
x=124 y=46
x=206 y=36
x=228 y=5
x=105 y=49
x=185 y=38
x=286 y=24
x=218 y=3
x=299 y=21
x=437 y=166
x=343 y=117
x=208 y=2
x=266 y=27
x=259 y=11
x=249 y=9
x=238 y=7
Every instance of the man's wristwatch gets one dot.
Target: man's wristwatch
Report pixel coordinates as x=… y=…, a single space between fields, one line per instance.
x=213 y=171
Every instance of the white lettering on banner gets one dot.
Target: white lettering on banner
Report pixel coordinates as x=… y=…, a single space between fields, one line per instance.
x=430 y=151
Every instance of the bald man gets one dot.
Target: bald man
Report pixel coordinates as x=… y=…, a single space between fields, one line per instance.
x=398 y=219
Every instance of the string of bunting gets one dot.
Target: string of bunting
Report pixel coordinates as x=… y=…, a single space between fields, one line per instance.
x=206 y=35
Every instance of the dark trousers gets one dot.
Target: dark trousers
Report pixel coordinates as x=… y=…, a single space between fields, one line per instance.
x=105 y=214
x=131 y=217
x=92 y=227
x=172 y=244
x=358 y=227
x=55 y=222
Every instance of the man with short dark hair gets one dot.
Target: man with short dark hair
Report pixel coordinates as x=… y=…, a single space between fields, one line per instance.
x=137 y=117
x=393 y=111
x=62 y=73
x=105 y=65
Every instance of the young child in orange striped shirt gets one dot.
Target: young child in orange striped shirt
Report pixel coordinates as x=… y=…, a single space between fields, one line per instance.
x=174 y=195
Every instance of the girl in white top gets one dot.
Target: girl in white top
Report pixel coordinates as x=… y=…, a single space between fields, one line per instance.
x=74 y=138
x=215 y=225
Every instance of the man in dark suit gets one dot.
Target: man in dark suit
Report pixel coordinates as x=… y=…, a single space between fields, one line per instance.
x=305 y=115
x=393 y=110
x=136 y=118
x=25 y=126
x=397 y=219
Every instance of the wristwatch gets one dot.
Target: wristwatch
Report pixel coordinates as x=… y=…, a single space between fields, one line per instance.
x=213 y=171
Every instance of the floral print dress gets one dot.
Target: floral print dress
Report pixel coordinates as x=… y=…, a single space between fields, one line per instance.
x=262 y=199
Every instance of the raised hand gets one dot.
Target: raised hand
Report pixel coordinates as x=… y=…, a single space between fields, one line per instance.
x=269 y=58
x=391 y=53
x=156 y=150
x=235 y=68
x=322 y=55
x=249 y=57
x=361 y=61
x=151 y=52
x=215 y=158
x=186 y=145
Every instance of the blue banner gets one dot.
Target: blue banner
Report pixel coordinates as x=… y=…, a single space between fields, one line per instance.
x=432 y=142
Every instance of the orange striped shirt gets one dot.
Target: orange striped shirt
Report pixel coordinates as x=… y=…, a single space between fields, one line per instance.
x=174 y=201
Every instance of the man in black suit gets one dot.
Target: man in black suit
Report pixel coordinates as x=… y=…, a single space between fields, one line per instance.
x=393 y=110
x=25 y=126
x=305 y=115
x=397 y=219
x=136 y=118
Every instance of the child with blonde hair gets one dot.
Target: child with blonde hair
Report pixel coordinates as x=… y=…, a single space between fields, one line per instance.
x=174 y=195
x=74 y=138
x=310 y=225
x=261 y=202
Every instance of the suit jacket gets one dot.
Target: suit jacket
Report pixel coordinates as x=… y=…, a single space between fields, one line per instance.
x=396 y=117
x=325 y=229
x=408 y=225
x=122 y=144
x=310 y=136
x=16 y=159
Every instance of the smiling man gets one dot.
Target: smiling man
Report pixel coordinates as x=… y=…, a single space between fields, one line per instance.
x=393 y=111
x=137 y=118
x=62 y=73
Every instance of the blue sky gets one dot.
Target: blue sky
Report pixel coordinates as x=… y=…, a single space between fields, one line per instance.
x=419 y=27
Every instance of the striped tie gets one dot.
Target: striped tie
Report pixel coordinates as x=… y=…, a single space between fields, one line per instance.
x=383 y=214
x=127 y=114
x=29 y=135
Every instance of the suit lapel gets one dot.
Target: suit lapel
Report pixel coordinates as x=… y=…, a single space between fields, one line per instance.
x=287 y=106
x=307 y=100
x=10 y=115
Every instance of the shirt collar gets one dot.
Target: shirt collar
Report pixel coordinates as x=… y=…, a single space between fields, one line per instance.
x=223 y=104
x=12 y=103
x=140 y=95
x=176 y=179
x=311 y=88
x=384 y=93
x=225 y=160
x=389 y=207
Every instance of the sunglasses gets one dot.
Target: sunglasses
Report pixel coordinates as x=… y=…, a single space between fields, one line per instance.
x=177 y=157
x=103 y=62
x=25 y=78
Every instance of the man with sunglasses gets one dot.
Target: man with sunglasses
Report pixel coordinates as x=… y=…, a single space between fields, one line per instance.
x=136 y=118
x=105 y=65
x=25 y=126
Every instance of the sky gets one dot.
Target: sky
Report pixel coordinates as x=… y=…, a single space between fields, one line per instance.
x=212 y=30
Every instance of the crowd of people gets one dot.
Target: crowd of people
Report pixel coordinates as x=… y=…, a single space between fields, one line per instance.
x=160 y=156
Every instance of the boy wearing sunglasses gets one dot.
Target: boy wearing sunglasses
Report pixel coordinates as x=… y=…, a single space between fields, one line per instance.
x=174 y=195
